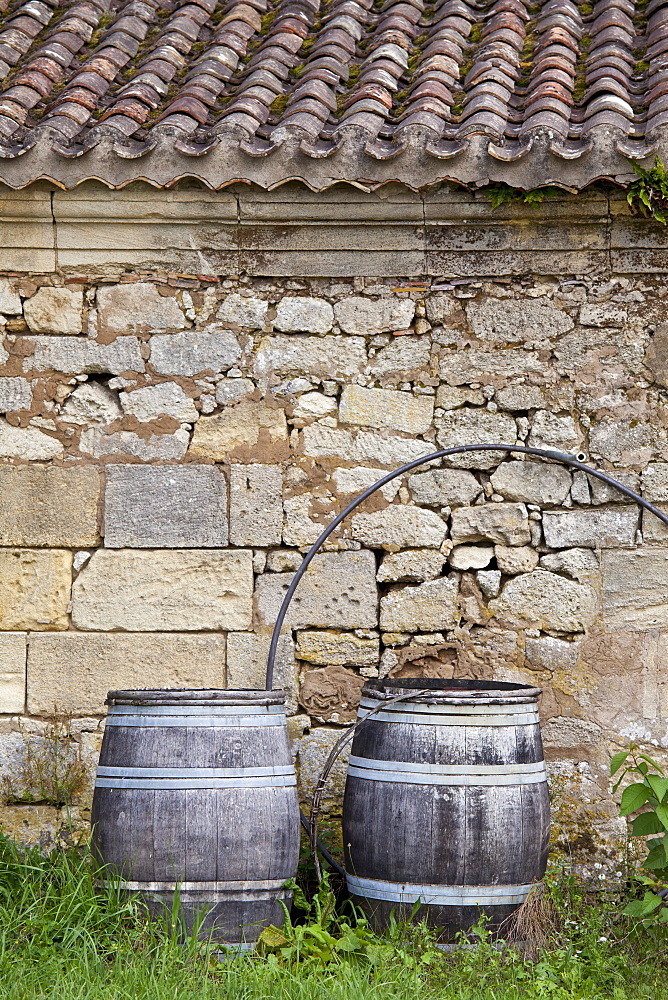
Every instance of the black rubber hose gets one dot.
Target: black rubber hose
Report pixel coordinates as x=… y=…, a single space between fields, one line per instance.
x=321 y=847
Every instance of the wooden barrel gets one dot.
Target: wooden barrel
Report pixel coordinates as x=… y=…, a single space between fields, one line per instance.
x=446 y=802
x=196 y=792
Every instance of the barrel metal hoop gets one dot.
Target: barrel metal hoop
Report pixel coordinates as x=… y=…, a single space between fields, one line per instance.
x=438 y=895
x=195 y=721
x=442 y=708
x=423 y=719
x=183 y=784
x=446 y=774
x=105 y=771
x=178 y=710
x=245 y=885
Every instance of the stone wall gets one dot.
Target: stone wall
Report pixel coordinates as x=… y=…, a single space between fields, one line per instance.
x=172 y=444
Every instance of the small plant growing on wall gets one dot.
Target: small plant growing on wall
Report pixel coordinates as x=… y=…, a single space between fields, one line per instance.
x=504 y=194
x=649 y=793
x=52 y=770
x=648 y=195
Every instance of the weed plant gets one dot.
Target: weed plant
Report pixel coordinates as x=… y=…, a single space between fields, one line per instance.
x=64 y=935
x=52 y=771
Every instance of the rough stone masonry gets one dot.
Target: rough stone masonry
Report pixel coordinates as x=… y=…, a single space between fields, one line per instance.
x=171 y=446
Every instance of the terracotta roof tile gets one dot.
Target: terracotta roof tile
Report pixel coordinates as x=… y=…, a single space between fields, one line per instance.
x=331 y=89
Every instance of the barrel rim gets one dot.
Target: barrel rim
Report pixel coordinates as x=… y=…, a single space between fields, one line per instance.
x=458 y=690
x=194 y=696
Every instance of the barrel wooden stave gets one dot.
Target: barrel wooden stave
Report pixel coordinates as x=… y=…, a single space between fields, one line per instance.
x=229 y=849
x=443 y=834
x=179 y=746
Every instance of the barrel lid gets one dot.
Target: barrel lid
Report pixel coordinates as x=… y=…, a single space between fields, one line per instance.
x=453 y=691
x=194 y=696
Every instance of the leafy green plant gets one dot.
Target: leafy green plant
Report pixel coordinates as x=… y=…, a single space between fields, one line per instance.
x=504 y=194
x=650 y=794
x=326 y=936
x=648 y=195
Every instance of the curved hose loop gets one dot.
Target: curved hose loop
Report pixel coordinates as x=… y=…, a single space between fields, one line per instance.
x=554 y=456
x=310 y=825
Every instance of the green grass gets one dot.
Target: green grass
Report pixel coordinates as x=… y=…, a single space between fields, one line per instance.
x=64 y=937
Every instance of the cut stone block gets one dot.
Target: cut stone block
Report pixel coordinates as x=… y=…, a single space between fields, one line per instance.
x=231 y=390
x=624 y=442
x=247 y=654
x=12 y=672
x=329 y=648
x=635 y=588
x=358 y=479
x=388 y=450
x=48 y=505
x=256 y=504
x=357 y=314
x=532 y=482
x=80 y=355
x=248 y=425
x=653 y=528
x=243 y=310
x=334 y=357
x=428 y=608
x=15 y=394
x=10 y=300
x=581 y=564
x=546 y=601
x=444 y=487
x=34 y=588
x=92 y=403
x=464 y=557
x=400 y=411
x=549 y=653
x=295 y=313
x=305 y=516
x=398 y=527
x=154 y=401
x=515 y=559
x=314 y=405
x=404 y=358
x=27 y=443
x=410 y=566
x=520 y=397
x=165 y=506
x=161 y=447
x=655 y=481
x=551 y=431
x=337 y=591
x=76 y=670
x=311 y=752
x=472 y=426
x=450 y=397
x=194 y=352
x=131 y=308
x=54 y=310
x=504 y=523
x=365 y=446
x=614 y=528
x=506 y=321
x=172 y=590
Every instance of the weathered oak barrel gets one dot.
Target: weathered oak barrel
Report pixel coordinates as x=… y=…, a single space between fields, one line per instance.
x=196 y=792
x=446 y=802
